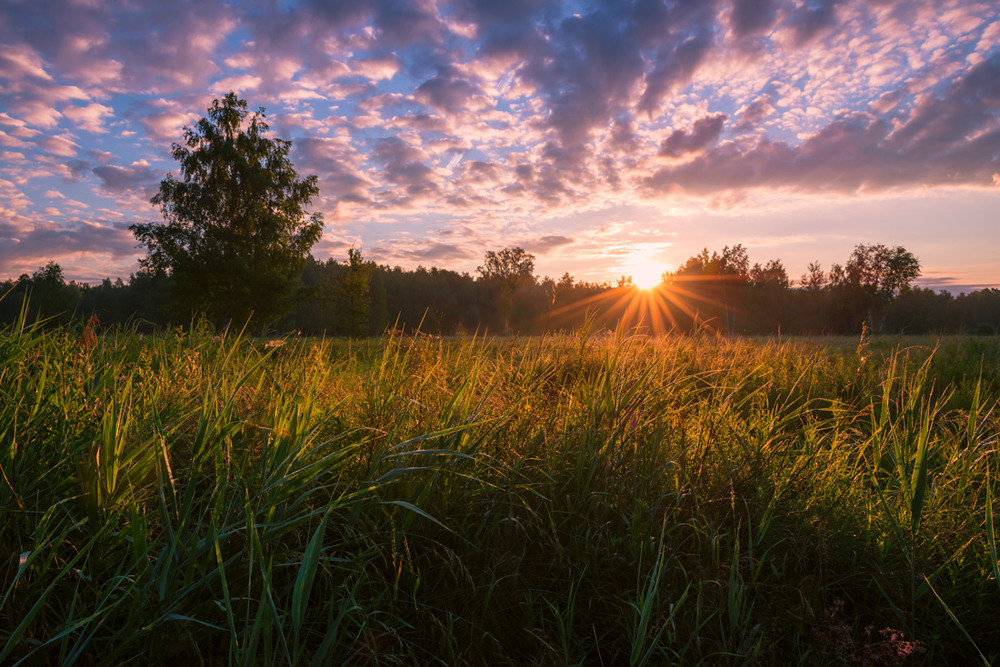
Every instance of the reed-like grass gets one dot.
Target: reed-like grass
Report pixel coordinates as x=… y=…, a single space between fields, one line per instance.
x=217 y=499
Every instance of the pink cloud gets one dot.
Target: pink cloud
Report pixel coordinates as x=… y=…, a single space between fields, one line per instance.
x=20 y=62
x=61 y=144
x=89 y=118
x=376 y=68
x=163 y=120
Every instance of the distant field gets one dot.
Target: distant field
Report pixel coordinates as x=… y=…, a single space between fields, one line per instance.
x=185 y=498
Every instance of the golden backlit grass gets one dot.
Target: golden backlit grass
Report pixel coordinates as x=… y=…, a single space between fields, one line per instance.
x=587 y=499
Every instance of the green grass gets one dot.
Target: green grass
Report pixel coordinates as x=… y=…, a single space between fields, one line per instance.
x=192 y=498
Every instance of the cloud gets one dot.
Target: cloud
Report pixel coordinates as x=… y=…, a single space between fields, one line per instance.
x=403 y=165
x=752 y=114
x=20 y=62
x=397 y=22
x=36 y=103
x=61 y=144
x=140 y=46
x=426 y=252
x=162 y=120
x=704 y=131
x=46 y=241
x=511 y=13
x=938 y=280
x=138 y=177
x=813 y=19
x=181 y=52
x=407 y=22
x=89 y=118
x=544 y=244
x=13 y=156
x=585 y=74
x=376 y=68
x=752 y=17
x=338 y=166
x=241 y=84
x=622 y=136
x=952 y=139
x=674 y=69
x=447 y=91
x=481 y=173
x=77 y=170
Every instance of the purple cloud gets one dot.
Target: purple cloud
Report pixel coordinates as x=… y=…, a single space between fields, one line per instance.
x=753 y=113
x=752 y=17
x=674 y=68
x=402 y=164
x=704 y=131
x=49 y=240
x=479 y=172
x=137 y=177
x=812 y=19
x=447 y=91
x=546 y=243
x=335 y=163
x=430 y=252
x=952 y=139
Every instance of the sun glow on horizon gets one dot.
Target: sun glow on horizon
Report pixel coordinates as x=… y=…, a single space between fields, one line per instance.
x=647 y=274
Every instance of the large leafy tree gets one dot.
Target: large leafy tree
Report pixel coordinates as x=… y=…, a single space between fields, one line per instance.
x=236 y=233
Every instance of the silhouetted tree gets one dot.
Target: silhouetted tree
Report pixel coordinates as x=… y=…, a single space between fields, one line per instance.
x=918 y=311
x=978 y=312
x=770 y=276
x=49 y=297
x=354 y=295
x=378 y=310
x=563 y=293
x=236 y=235
x=766 y=303
x=506 y=271
x=813 y=279
x=873 y=275
x=714 y=283
x=882 y=271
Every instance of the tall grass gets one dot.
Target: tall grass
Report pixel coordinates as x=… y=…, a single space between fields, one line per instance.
x=562 y=500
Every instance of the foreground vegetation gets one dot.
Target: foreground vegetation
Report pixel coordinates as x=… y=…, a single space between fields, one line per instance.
x=561 y=500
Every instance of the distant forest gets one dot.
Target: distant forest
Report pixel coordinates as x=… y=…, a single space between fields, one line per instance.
x=718 y=292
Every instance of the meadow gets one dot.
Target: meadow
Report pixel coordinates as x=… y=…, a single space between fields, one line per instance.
x=193 y=498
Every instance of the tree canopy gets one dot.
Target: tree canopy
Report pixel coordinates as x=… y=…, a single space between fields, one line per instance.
x=236 y=235
x=506 y=271
x=510 y=266
x=732 y=263
x=881 y=271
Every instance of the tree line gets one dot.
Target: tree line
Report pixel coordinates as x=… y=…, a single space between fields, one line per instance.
x=718 y=292
x=234 y=245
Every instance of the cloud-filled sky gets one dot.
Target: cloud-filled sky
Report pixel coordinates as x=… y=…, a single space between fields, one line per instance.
x=604 y=137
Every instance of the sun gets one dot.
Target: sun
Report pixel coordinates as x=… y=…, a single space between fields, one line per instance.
x=647 y=274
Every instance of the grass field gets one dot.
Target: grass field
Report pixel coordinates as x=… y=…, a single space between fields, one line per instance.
x=185 y=498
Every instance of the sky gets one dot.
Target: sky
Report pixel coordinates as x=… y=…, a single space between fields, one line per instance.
x=606 y=138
